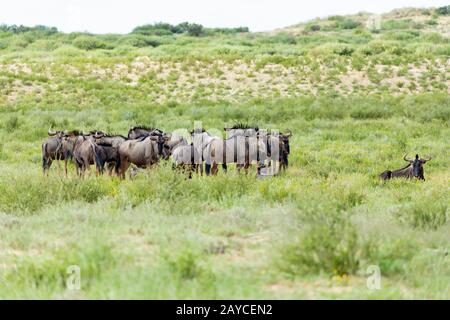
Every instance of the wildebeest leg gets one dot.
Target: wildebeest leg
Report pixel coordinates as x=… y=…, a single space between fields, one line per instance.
x=224 y=167
x=65 y=166
x=86 y=167
x=44 y=165
x=124 y=167
x=48 y=165
x=110 y=167
x=215 y=169
x=207 y=169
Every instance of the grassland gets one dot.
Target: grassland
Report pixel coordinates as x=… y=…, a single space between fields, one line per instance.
x=356 y=100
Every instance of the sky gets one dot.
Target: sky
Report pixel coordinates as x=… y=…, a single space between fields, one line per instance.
x=121 y=16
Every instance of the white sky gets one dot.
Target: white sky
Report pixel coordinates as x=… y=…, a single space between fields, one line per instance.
x=121 y=16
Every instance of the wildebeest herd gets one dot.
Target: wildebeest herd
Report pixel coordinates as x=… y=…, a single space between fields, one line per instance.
x=145 y=147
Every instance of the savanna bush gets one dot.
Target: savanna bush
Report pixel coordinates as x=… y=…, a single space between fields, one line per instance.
x=185 y=264
x=443 y=11
x=425 y=212
x=392 y=256
x=89 y=43
x=50 y=271
x=348 y=24
x=27 y=194
x=12 y=124
x=331 y=249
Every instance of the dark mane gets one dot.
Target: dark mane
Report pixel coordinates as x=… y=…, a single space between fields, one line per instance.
x=141 y=127
x=241 y=125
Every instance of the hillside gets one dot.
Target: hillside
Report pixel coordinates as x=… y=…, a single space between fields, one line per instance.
x=409 y=54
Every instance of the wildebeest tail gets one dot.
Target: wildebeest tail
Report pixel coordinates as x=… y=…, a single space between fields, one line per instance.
x=44 y=158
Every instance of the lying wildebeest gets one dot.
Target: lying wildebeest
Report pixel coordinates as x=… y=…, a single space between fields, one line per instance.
x=414 y=169
x=239 y=149
x=143 y=152
x=143 y=131
x=51 y=149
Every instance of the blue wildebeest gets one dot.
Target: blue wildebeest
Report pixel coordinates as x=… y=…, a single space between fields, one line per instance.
x=51 y=149
x=239 y=149
x=143 y=152
x=143 y=131
x=108 y=147
x=414 y=169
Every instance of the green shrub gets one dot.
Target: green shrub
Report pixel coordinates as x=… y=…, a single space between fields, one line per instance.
x=12 y=124
x=443 y=11
x=89 y=43
x=313 y=27
x=392 y=257
x=51 y=271
x=396 y=24
x=425 y=213
x=348 y=24
x=184 y=264
x=329 y=248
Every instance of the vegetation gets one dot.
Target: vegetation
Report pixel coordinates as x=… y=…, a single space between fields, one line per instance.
x=356 y=101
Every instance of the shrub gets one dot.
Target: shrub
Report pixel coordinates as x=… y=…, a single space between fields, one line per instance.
x=443 y=11
x=140 y=41
x=51 y=270
x=12 y=124
x=184 y=264
x=89 y=43
x=391 y=256
x=313 y=27
x=329 y=248
x=193 y=29
x=425 y=214
x=346 y=51
x=396 y=24
x=158 y=29
x=348 y=24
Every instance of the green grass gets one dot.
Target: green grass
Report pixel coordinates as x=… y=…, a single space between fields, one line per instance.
x=310 y=233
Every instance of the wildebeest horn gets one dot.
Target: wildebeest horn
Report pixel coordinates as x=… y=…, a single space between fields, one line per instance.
x=406 y=159
x=428 y=159
x=50 y=132
x=289 y=133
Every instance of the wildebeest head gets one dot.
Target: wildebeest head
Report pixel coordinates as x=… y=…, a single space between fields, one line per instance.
x=57 y=134
x=417 y=166
x=285 y=139
x=163 y=152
